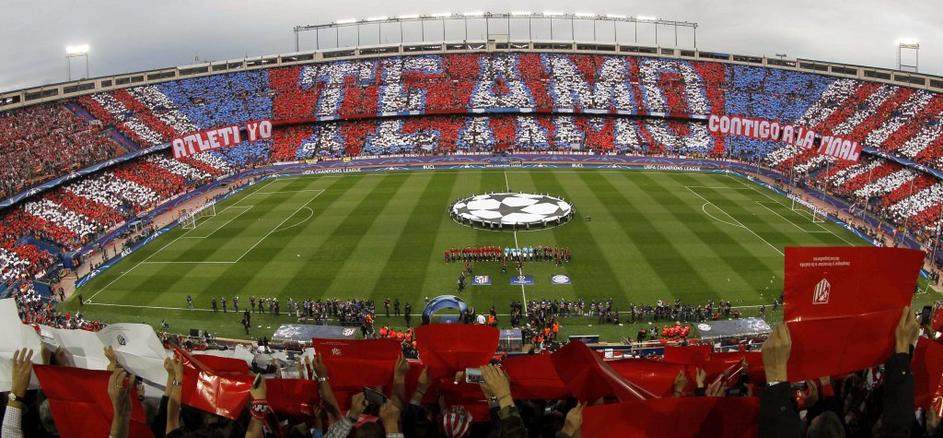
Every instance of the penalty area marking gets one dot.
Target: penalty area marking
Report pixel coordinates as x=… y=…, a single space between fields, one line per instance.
x=244 y=208
x=149 y=262
x=762 y=204
x=740 y=224
x=784 y=205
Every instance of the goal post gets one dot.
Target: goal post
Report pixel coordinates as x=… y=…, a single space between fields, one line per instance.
x=804 y=207
x=191 y=217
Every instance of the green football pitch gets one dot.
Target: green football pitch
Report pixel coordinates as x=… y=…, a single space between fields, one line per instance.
x=637 y=237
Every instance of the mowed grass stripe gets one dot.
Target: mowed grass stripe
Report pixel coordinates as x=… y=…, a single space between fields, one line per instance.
x=596 y=248
x=763 y=223
x=676 y=270
x=266 y=270
x=408 y=264
x=337 y=248
x=727 y=260
x=440 y=277
x=363 y=268
x=205 y=280
x=827 y=232
x=533 y=182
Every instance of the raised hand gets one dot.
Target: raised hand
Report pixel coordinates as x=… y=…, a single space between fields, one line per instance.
x=22 y=370
x=574 y=421
x=776 y=351
x=496 y=382
x=700 y=377
x=681 y=382
x=908 y=328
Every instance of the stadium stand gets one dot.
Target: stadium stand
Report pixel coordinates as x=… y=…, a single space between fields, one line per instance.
x=467 y=103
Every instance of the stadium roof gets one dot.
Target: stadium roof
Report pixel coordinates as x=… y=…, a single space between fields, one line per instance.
x=135 y=36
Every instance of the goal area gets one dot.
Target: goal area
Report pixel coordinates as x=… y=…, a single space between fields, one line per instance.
x=806 y=208
x=191 y=217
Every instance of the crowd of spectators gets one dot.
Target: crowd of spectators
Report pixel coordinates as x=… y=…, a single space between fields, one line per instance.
x=325 y=394
x=43 y=142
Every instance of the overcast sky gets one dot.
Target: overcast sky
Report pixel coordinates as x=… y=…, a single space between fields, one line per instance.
x=132 y=35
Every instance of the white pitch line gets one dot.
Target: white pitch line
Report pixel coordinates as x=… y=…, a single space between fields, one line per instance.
x=704 y=209
x=760 y=203
x=737 y=221
x=198 y=309
x=784 y=205
x=286 y=191
x=279 y=225
x=89 y=300
x=245 y=209
x=520 y=271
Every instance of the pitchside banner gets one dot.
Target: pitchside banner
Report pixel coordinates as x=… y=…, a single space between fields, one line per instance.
x=842 y=305
x=800 y=136
x=222 y=137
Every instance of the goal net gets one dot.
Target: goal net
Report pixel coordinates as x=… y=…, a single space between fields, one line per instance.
x=191 y=217
x=806 y=208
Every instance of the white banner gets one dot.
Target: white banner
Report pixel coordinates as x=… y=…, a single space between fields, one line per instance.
x=16 y=335
x=138 y=350
x=767 y=130
x=226 y=136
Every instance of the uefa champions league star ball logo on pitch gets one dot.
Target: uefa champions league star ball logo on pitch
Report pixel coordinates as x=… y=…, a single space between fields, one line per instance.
x=511 y=211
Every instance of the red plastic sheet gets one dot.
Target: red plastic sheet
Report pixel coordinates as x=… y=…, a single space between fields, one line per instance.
x=842 y=304
x=674 y=417
x=80 y=404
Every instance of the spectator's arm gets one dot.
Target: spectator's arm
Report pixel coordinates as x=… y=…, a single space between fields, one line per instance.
x=389 y=415
x=778 y=415
x=399 y=380
x=496 y=382
x=120 y=385
x=324 y=388
x=422 y=385
x=342 y=427
x=257 y=424
x=11 y=421
x=174 y=391
x=22 y=370
x=899 y=384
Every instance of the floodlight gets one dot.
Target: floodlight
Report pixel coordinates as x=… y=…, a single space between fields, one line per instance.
x=521 y=13
x=442 y=15
x=77 y=50
x=552 y=13
x=646 y=18
x=408 y=17
x=346 y=21
x=585 y=14
x=473 y=14
x=908 y=41
x=381 y=18
x=616 y=16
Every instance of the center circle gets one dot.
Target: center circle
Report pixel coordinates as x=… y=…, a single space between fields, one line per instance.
x=511 y=211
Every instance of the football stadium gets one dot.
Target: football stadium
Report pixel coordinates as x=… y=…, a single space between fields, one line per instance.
x=463 y=224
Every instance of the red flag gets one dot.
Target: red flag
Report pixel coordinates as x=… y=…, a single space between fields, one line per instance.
x=589 y=378
x=688 y=355
x=842 y=304
x=927 y=368
x=80 y=404
x=654 y=376
x=217 y=385
x=754 y=363
x=533 y=376
x=449 y=348
x=675 y=417
x=292 y=396
x=354 y=364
